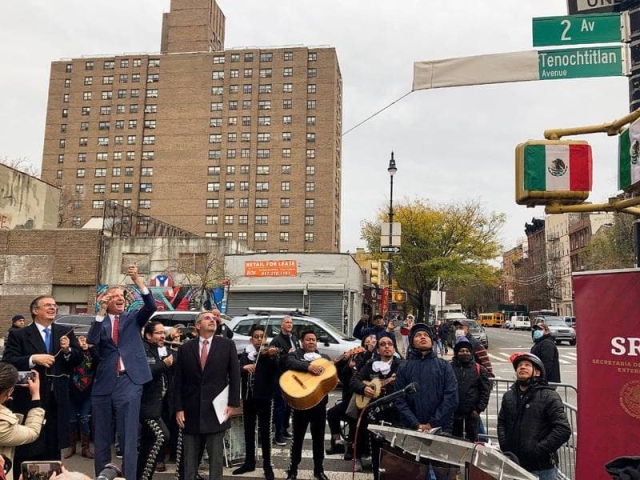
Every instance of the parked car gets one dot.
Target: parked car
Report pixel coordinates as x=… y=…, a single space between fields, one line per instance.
x=330 y=341
x=79 y=323
x=519 y=322
x=569 y=320
x=559 y=330
x=478 y=332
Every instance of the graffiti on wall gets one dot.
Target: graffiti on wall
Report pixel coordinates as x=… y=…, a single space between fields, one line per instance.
x=171 y=298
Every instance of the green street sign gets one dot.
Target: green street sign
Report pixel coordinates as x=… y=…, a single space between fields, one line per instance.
x=580 y=29
x=583 y=62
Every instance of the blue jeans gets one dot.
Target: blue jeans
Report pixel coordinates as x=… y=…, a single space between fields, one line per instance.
x=548 y=474
x=80 y=410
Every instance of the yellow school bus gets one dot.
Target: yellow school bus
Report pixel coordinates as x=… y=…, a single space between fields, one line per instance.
x=491 y=319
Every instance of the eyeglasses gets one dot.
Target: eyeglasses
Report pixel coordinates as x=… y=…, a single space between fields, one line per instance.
x=385 y=344
x=258 y=336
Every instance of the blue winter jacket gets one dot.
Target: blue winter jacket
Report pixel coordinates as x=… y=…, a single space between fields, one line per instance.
x=437 y=397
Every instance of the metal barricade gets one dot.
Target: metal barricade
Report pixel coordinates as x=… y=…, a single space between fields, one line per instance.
x=567 y=453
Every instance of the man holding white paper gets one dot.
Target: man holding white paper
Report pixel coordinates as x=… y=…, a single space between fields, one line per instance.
x=206 y=366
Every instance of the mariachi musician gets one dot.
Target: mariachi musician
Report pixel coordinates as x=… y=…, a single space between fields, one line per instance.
x=347 y=364
x=300 y=360
x=259 y=373
x=377 y=374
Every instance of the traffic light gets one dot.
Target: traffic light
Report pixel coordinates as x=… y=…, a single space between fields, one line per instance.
x=553 y=171
x=375 y=272
x=400 y=297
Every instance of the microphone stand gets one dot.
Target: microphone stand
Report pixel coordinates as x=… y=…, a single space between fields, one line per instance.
x=371 y=413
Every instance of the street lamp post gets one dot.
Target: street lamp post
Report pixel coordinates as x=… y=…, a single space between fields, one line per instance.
x=392 y=169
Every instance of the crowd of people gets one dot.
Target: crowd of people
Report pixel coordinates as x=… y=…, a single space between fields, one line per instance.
x=129 y=382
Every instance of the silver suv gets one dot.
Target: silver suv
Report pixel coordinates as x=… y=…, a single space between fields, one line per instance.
x=330 y=341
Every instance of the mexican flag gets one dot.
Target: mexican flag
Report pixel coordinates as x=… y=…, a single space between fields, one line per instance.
x=629 y=156
x=553 y=168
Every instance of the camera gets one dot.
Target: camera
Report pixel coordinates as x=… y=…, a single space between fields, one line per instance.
x=23 y=376
x=40 y=470
x=109 y=472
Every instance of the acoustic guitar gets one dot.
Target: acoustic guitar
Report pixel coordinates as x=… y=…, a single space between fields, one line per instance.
x=377 y=385
x=304 y=390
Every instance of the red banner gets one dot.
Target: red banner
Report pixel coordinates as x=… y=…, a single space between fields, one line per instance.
x=384 y=301
x=607 y=312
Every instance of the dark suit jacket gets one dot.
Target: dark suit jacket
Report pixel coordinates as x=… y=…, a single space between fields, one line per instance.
x=130 y=348
x=20 y=346
x=195 y=389
x=264 y=379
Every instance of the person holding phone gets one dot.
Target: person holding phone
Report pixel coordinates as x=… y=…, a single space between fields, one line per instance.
x=12 y=432
x=380 y=330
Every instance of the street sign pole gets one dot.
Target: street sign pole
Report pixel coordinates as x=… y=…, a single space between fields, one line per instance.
x=633 y=9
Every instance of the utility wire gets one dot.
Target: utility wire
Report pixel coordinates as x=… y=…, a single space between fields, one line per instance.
x=378 y=112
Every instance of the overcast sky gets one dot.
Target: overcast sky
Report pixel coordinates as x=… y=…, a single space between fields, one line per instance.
x=450 y=144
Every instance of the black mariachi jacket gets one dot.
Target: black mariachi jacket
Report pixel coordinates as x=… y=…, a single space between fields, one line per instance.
x=264 y=378
x=154 y=391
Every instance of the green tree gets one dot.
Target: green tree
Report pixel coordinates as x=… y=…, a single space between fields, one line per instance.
x=452 y=242
x=612 y=246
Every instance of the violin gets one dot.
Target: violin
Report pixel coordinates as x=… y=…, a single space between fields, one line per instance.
x=350 y=353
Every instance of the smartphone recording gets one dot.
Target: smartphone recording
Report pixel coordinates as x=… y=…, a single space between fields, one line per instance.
x=23 y=376
x=40 y=470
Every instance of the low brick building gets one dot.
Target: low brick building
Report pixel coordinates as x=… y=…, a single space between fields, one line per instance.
x=62 y=263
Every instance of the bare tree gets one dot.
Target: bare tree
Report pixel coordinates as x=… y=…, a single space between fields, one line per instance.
x=22 y=164
x=205 y=271
x=65 y=209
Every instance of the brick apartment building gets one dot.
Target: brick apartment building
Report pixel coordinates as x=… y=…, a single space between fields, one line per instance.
x=242 y=143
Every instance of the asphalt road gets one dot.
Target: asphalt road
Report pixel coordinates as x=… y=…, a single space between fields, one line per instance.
x=502 y=343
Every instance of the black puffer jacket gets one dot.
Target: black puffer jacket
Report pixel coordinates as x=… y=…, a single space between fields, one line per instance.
x=474 y=386
x=545 y=349
x=533 y=425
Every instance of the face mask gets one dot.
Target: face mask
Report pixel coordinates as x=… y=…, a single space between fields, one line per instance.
x=537 y=334
x=459 y=333
x=464 y=358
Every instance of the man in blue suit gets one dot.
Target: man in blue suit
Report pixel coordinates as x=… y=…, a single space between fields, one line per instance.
x=122 y=371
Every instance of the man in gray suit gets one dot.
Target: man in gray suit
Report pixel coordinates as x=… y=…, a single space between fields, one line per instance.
x=206 y=365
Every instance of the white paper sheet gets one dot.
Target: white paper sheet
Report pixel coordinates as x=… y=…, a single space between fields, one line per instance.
x=220 y=404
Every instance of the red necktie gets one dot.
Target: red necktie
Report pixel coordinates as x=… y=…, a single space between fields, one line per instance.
x=114 y=336
x=204 y=353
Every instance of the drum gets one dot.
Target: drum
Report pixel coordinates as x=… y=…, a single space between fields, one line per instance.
x=234 y=451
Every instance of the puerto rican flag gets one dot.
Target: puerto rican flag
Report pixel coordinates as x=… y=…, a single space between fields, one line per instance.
x=162 y=280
